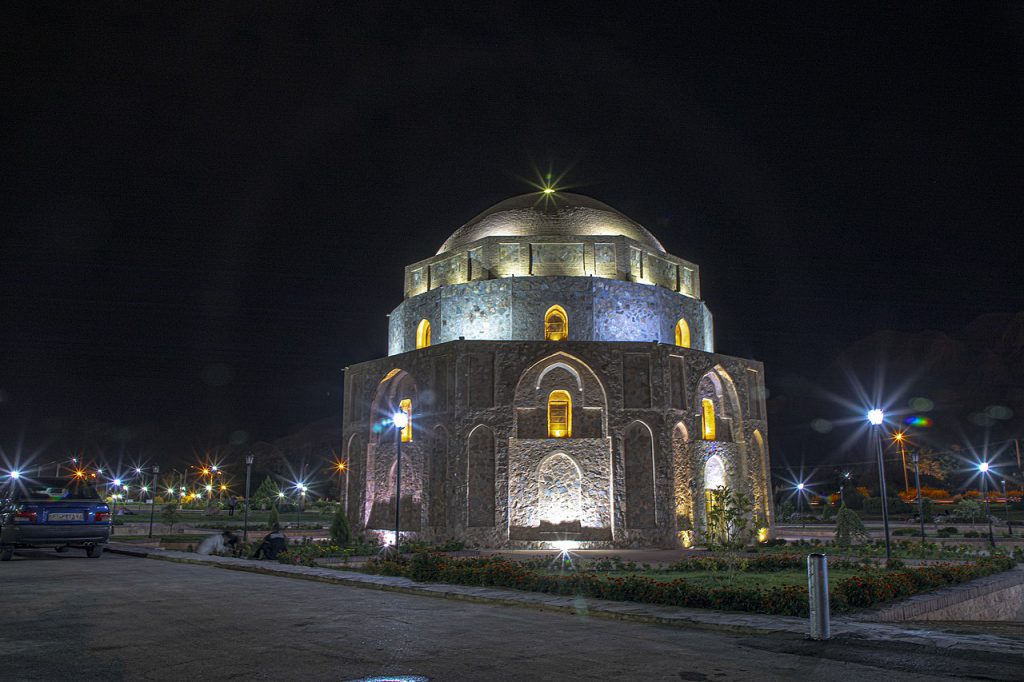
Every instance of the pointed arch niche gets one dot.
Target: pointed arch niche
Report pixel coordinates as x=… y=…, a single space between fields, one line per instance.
x=556 y=324
x=720 y=409
x=560 y=485
x=481 y=475
x=423 y=334
x=682 y=333
x=638 y=458
x=559 y=414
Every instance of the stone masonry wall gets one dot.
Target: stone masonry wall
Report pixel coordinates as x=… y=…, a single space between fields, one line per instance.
x=463 y=384
x=513 y=309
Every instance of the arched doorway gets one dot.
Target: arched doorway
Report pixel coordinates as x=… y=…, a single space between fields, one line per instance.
x=714 y=478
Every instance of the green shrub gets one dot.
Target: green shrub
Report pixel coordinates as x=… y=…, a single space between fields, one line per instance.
x=341 y=534
x=849 y=528
x=170 y=515
x=273 y=519
x=870 y=586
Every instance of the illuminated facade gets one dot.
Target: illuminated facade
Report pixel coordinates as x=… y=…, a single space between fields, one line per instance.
x=559 y=370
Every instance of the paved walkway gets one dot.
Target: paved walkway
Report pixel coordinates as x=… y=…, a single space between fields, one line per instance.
x=842 y=627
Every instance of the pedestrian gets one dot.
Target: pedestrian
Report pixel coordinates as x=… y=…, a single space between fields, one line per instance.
x=273 y=544
x=232 y=503
x=218 y=544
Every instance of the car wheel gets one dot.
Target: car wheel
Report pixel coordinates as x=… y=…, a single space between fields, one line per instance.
x=94 y=551
x=6 y=554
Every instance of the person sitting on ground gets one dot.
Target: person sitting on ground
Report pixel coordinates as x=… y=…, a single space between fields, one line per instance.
x=273 y=544
x=221 y=543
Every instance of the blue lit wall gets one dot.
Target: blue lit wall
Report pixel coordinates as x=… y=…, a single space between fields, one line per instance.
x=513 y=308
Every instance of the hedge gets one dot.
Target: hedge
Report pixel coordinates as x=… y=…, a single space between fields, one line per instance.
x=871 y=586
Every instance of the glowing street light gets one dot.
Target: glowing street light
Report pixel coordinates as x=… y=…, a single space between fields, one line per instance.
x=401 y=420
x=983 y=468
x=15 y=475
x=875 y=418
x=899 y=437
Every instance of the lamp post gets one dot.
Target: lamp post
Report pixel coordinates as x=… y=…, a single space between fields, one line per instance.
x=152 y=502
x=302 y=499
x=875 y=418
x=1006 y=506
x=915 y=457
x=842 y=488
x=800 y=503
x=983 y=468
x=245 y=509
x=400 y=420
x=898 y=437
x=342 y=469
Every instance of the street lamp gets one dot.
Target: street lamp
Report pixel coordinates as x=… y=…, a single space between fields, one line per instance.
x=401 y=420
x=342 y=468
x=245 y=512
x=915 y=457
x=875 y=418
x=800 y=503
x=301 y=488
x=1006 y=506
x=899 y=438
x=983 y=468
x=152 y=503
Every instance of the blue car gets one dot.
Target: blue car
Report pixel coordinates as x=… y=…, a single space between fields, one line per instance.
x=52 y=512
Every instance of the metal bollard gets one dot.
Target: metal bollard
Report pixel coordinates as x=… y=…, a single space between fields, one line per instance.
x=817 y=592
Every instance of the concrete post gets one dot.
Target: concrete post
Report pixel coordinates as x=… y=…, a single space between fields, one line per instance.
x=817 y=592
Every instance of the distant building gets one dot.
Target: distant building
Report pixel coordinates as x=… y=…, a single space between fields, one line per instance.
x=559 y=372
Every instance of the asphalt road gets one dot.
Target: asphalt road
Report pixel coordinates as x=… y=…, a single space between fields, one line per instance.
x=66 y=617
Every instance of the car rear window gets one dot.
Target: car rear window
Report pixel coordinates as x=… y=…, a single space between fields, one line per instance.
x=58 y=489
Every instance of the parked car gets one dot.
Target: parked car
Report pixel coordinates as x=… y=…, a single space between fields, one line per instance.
x=52 y=512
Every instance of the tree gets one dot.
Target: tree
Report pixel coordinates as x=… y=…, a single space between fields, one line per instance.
x=730 y=518
x=169 y=515
x=849 y=527
x=266 y=494
x=273 y=519
x=967 y=508
x=341 y=534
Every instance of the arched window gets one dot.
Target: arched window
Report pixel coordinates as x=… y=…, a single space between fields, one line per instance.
x=682 y=333
x=707 y=419
x=406 y=406
x=556 y=324
x=423 y=334
x=559 y=415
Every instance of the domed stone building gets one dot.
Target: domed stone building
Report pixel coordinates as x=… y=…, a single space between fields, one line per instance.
x=558 y=370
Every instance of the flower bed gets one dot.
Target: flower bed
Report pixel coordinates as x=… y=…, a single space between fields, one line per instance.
x=870 y=586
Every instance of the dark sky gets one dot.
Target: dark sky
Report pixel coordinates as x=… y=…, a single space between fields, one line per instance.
x=206 y=209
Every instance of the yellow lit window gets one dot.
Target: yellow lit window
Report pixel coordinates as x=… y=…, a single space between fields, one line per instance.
x=423 y=334
x=707 y=419
x=406 y=406
x=682 y=334
x=556 y=324
x=559 y=415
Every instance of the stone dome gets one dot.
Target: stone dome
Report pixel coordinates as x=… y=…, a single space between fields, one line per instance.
x=560 y=214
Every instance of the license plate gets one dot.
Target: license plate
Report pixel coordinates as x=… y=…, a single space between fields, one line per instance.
x=64 y=516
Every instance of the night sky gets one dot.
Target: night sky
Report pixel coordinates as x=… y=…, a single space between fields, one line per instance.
x=207 y=209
